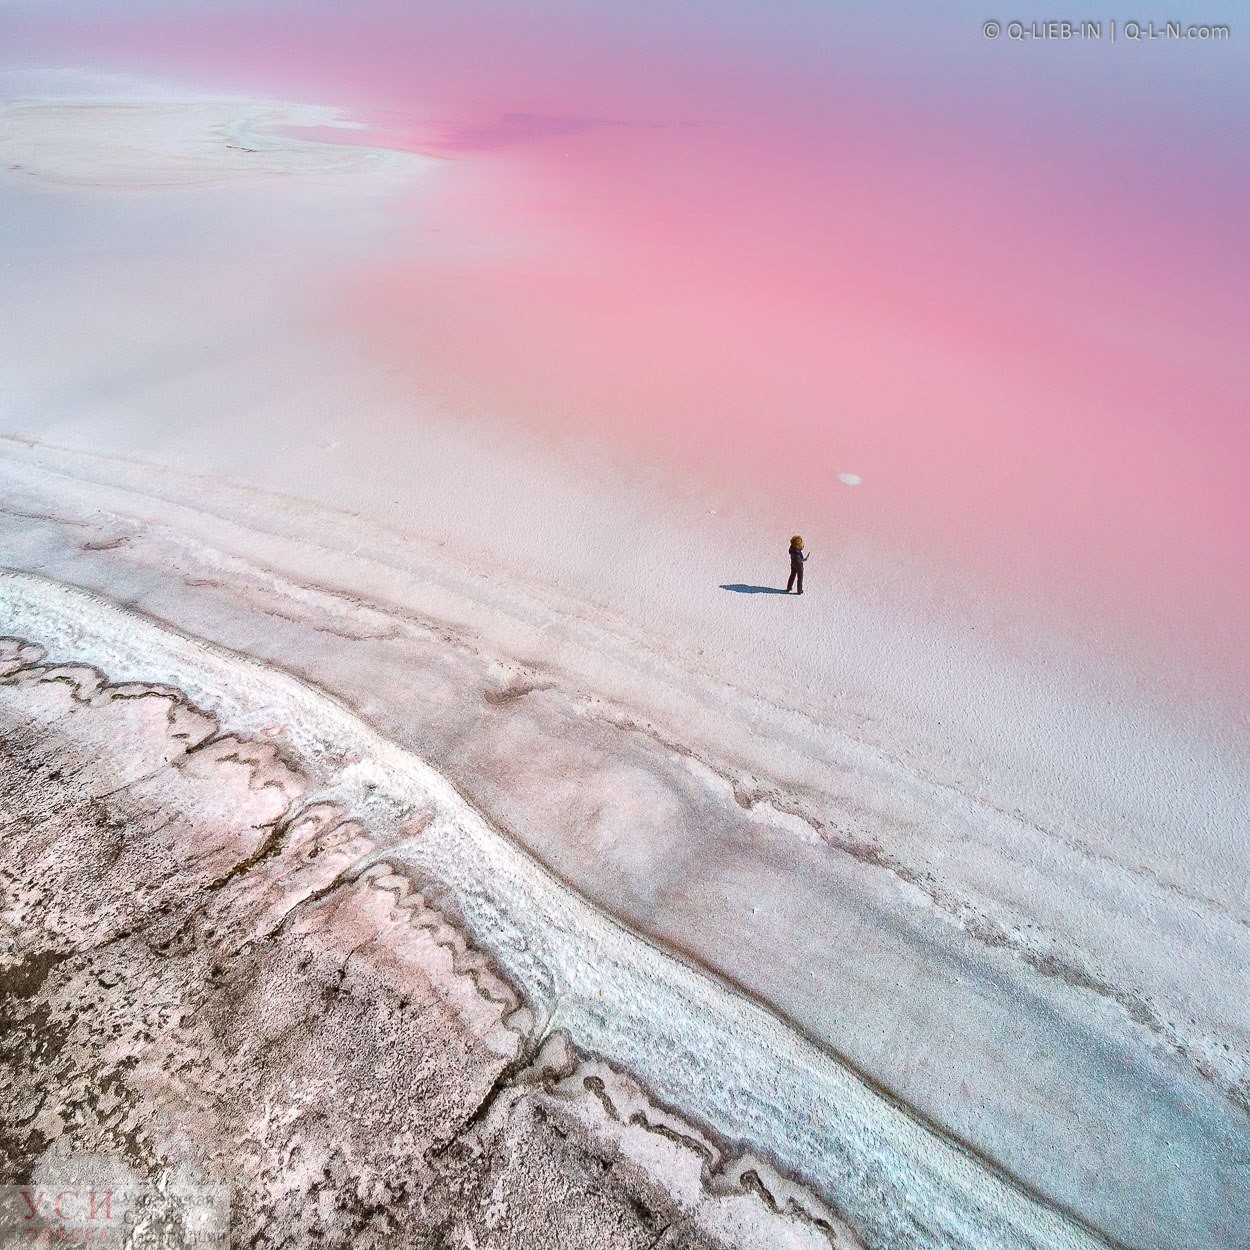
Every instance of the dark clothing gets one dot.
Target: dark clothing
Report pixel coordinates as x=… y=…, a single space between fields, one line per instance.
x=797 y=556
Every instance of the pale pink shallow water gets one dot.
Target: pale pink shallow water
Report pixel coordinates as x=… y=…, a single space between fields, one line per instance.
x=1006 y=284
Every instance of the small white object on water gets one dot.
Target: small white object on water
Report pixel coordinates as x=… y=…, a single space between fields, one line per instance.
x=849 y=479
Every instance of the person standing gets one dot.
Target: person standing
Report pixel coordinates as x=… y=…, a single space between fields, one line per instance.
x=797 y=559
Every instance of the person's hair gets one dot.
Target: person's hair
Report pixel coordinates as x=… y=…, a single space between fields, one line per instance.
x=796 y=541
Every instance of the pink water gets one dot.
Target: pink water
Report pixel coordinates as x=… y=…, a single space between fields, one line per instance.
x=1005 y=284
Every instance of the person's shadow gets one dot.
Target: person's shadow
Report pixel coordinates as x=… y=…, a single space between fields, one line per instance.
x=739 y=589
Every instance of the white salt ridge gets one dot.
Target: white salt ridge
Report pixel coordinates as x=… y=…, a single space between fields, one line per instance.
x=703 y=1049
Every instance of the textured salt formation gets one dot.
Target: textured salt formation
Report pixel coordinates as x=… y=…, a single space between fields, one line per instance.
x=197 y=1001
x=1102 y=1068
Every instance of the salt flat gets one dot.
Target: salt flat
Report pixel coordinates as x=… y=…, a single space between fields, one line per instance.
x=883 y=831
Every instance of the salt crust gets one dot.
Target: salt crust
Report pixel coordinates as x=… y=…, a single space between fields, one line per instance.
x=721 y=1059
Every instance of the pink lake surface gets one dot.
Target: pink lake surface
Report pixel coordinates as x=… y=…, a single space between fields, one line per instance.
x=1005 y=283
